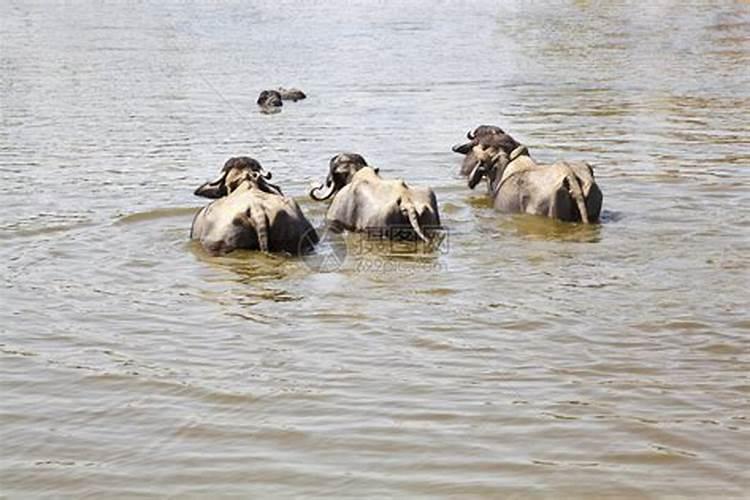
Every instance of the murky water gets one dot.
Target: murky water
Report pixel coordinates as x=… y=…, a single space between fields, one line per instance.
x=526 y=357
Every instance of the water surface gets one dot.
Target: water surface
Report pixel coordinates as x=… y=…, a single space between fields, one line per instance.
x=526 y=357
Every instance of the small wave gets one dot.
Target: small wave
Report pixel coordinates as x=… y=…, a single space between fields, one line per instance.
x=39 y=231
x=158 y=213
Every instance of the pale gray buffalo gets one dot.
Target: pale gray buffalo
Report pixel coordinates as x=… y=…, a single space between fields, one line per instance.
x=250 y=213
x=563 y=190
x=364 y=202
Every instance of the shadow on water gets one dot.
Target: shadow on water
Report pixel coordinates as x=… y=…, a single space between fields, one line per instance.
x=536 y=227
x=608 y=216
x=243 y=282
x=250 y=267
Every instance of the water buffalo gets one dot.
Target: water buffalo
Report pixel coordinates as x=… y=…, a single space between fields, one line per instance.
x=270 y=101
x=292 y=94
x=250 y=213
x=482 y=132
x=563 y=190
x=364 y=201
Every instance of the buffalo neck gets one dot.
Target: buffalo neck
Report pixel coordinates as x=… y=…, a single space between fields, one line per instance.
x=520 y=160
x=496 y=175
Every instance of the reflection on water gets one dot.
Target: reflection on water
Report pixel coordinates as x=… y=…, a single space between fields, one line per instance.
x=532 y=227
x=250 y=266
x=524 y=356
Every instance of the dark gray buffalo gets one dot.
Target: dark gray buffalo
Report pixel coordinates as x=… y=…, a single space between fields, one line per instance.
x=466 y=149
x=271 y=101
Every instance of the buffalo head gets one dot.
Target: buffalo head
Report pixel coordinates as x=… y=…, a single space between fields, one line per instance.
x=235 y=171
x=270 y=101
x=341 y=169
x=475 y=136
x=493 y=154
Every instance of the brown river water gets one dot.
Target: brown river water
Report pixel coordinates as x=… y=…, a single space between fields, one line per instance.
x=523 y=358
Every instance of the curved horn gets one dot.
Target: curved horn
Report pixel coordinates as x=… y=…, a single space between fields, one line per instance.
x=259 y=179
x=213 y=189
x=462 y=148
x=331 y=189
x=266 y=175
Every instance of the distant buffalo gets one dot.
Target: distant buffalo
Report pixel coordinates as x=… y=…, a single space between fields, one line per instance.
x=271 y=101
x=292 y=94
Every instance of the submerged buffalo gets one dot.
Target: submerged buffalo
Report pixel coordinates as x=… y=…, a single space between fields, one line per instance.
x=563 y=190
x=250 y=213
x=363 y=201
x=271 y=101
x=292 y=94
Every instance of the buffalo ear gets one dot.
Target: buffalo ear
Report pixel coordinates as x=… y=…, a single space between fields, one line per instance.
x=214 y=189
